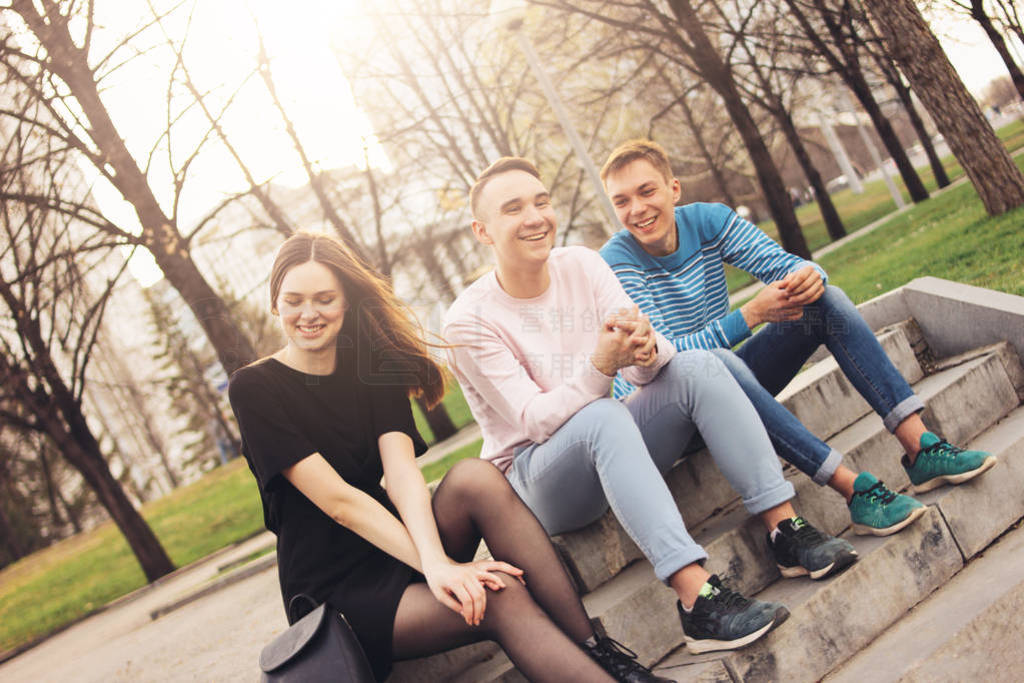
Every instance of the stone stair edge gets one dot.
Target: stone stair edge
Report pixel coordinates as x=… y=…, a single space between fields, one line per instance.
x=607 y=540
x=970 y=502
x=947 y=364
x=989 y=586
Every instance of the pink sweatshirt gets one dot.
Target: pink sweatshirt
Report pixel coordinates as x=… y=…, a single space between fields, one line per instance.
x=524 y=364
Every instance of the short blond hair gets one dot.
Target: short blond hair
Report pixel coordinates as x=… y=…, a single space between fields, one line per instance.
x=638 y=148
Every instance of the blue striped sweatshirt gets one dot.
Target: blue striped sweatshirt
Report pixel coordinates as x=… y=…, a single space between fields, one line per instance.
x=684 y=294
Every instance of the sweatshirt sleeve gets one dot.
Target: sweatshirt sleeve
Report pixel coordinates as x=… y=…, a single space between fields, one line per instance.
x=745 y=246
x=724 y=332
x=481 y=360
x=613 y=297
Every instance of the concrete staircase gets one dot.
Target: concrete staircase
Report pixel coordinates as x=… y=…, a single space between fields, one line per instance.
x=961 y=348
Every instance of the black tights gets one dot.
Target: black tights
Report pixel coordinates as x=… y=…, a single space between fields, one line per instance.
x=538 y=625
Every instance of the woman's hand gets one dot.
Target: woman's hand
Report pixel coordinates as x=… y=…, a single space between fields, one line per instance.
x=461 y=587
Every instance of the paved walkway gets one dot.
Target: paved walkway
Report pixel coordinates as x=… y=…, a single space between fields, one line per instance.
x=216 y=638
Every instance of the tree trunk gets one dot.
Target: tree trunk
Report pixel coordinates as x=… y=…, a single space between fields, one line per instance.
x=829 y=214
x=719 y=77
x=848 y=68
x=81 y=450
x=892 y=74
x=51 y=496
x=79 y=447
x=425 y=252
x=938 y=170
x=159 y=233
x=861 y=89
x=995 y=176
x=438 y=419
x=15 y=551
x=999 y=43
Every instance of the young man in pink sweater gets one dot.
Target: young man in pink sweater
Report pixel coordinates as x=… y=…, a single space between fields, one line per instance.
x=536 y=344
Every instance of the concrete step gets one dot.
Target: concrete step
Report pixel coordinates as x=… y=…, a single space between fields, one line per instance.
x=825 y=401
x=961 y=402
x=969 y=629
x=828 y=627
x=637 y=609
x=735 y=542
x=828 y=623
x=597 y=552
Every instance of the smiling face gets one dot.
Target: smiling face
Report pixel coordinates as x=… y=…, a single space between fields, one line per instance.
x=516 y=218
x=312 y=305
x=644 y=201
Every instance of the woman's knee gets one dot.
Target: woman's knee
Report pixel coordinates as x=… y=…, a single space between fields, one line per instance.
x=511 y=602
x=474 y=478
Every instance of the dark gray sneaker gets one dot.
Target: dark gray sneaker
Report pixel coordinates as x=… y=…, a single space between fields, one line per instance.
x=620 y=662
x=722 y=619
x=802 y=550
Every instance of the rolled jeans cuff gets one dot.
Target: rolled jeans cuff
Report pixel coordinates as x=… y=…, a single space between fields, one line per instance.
x=904 y=409
x=828 y=468
x=766 y=500
x=668 y=565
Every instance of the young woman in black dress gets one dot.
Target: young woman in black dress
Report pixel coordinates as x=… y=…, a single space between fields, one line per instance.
x=324 y=418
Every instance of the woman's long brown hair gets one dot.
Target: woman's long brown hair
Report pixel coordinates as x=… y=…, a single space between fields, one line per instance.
x=382 y=319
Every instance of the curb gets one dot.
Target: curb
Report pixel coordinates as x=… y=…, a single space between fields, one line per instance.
x=252 y=568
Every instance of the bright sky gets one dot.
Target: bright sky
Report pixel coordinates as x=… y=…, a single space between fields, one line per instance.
x=971 y=52
x=222 y=48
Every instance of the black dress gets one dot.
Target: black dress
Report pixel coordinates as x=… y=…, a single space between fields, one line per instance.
x=285 y=415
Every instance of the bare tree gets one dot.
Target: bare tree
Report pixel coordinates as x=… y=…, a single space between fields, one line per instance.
x=448 y=94
x=63 y=76
x=892 y=74
x=834 y=28
x=1000 y=92
x=681 y=31
x=998 y=12
x=54 y=322
x=999 y=182
x=770 y=78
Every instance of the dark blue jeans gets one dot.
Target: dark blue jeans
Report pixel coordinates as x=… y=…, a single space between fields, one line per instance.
x=772 y=357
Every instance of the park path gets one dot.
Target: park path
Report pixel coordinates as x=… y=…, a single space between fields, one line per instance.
x=216 y=638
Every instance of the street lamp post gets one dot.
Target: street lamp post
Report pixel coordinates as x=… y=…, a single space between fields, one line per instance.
x=510 y=15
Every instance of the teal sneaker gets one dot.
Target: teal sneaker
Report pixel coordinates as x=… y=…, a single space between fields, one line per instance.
x=878 y=511
x=939 y=462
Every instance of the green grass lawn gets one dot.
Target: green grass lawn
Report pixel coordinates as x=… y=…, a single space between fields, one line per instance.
x=458 y=411
x=875 y=202
x=949 y=236
x=437 y=469
x=65 y=581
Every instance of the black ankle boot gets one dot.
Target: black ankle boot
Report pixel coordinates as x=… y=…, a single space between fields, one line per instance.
x=620 y=662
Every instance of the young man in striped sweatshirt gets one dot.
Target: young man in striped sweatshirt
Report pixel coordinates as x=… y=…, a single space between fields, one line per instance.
x=670 y=258
x=535 y=345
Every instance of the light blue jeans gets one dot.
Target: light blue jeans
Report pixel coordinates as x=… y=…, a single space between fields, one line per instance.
x=614 y=453
x=772 y=357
